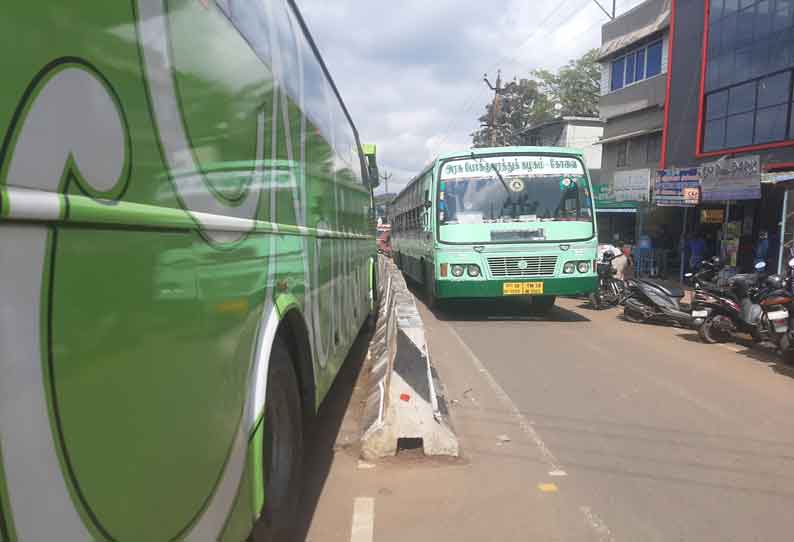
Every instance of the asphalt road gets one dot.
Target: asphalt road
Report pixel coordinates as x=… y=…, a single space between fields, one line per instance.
x=581 y=426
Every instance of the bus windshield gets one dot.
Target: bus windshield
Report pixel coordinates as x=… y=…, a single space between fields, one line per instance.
x=531 y=189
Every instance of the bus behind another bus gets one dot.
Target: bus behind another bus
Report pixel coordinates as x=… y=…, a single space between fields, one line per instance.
x=498 y=222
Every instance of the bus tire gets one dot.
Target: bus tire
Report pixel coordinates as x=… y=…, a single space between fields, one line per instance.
x=542 y=304
x=429 y=285
x=282 y=449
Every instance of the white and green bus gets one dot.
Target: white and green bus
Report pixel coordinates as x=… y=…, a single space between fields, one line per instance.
x=494 y=222
x=186 y=247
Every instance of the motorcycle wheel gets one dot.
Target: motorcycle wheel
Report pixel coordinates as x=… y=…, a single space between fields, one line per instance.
x=709 y=334
x=633 y=315
x=788 y=356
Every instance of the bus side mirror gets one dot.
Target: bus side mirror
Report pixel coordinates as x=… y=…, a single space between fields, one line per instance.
x=373 y=175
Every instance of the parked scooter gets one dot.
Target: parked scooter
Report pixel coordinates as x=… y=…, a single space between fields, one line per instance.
x=610 y=289
x=785 y=297
x=654 y=300
x=752 y=303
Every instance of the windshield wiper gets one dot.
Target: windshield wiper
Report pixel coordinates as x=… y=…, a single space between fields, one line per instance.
x=502 y=179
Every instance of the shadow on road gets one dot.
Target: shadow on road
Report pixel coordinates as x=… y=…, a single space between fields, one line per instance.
x=331 y=430
x=481 y=310
x=764 y=352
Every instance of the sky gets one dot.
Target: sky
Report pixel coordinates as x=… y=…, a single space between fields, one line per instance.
x=411 y=71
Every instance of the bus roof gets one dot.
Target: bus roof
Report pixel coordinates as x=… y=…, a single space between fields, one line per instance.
x=493 y=150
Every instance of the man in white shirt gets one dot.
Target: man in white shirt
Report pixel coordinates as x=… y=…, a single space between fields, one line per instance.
x=619 y=262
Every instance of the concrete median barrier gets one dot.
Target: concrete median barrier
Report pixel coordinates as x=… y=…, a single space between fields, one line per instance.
x=404 y=407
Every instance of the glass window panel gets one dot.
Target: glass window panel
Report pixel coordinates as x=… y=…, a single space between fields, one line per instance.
x=760 y=58
x=714 y=136
x=744 y=27
x=780 y=52
x=739 y=130
x=714 y=39
x=715 y=9
x=770 y=124
x=745 y=3
x=712 y=74
x=728 y=33
x=742 y=98
x=791 y=126
x=653 y=62
x=639 y=67
x=782 y=18
x=617 y=73
x=630 y=68
x=727 y=73
x=744 y=61
x=731 y=6
x=763 y=19
x=717 y=105
x=774 y=90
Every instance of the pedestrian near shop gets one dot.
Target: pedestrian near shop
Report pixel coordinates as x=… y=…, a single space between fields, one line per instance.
x=697 y=249
x=762 y=247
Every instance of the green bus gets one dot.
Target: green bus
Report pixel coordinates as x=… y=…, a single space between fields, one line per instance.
x=494 y=222
x=186 y=258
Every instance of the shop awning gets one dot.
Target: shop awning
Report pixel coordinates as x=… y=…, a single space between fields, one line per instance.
x=627 y=135
x=777 y=177
x=625 y=210
x=626 y=40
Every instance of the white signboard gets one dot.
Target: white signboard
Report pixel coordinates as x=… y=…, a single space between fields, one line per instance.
x=511 y=166
x=732 y=179
x=633 y=185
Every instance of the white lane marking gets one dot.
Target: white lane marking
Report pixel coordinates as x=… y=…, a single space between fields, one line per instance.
x=597 y=525
x=363 y=520
x=508 y=403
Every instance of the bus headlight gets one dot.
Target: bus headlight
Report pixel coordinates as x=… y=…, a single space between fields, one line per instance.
x=457 y=270
x=568 y=268
x=583 y=267
x=473 y=270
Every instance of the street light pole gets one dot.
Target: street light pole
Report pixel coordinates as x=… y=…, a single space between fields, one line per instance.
x=385 y=177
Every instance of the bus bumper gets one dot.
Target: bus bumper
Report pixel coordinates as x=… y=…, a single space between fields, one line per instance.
x=449 y=289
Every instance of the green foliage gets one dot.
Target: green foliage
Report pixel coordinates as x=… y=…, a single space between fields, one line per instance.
x=575 y=86
x=519 y=102
x=527 y=102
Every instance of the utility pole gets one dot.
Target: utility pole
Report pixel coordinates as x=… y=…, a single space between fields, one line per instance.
x=496 y=104
x=385 y=177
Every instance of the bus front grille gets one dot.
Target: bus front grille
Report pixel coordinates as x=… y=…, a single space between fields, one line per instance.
x=522 y=266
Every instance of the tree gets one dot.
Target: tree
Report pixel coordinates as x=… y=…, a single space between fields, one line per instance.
x=575 y=86
x=518 y=103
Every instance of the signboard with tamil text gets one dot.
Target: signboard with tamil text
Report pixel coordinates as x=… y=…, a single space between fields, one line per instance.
x=732 y=179
x=633 y=185
x=677 y=187
x=510 y=166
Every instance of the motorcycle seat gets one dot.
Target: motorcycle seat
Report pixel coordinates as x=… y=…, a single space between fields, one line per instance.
x=673 y=290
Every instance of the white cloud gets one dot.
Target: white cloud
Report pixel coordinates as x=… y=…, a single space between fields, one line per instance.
x=411 y=71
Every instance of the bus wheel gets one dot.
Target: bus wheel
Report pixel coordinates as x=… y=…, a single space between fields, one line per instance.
x=542 y=304
x=282 y=461
x=429 y=284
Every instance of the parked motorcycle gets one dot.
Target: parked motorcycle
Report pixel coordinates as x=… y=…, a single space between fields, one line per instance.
x=654 y=300
x=785 y=297
x=752 y=303
x=610 y=289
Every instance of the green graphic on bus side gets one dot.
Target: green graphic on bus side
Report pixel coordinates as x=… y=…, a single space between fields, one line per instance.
x=170 y=189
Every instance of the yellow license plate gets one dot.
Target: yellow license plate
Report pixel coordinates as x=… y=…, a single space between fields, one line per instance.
x=522 y=288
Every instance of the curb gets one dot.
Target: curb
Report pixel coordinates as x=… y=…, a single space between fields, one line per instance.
x=403 y=404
